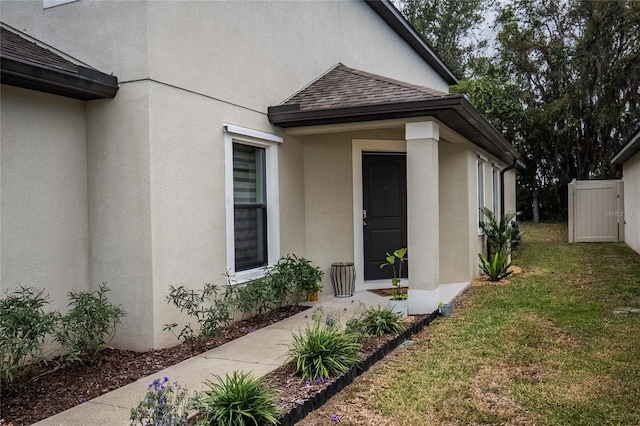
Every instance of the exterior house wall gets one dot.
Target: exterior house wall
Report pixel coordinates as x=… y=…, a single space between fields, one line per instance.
x=454 y=211
x=156 y=153
x=44 y=206
x=631 y=178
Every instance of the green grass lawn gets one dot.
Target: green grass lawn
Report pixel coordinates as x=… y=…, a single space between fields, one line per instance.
x=544 y=349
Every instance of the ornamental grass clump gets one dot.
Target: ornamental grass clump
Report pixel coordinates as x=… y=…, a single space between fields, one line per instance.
x=380 y=321
x=165 y=404
x=238 y=399
x=323 y=350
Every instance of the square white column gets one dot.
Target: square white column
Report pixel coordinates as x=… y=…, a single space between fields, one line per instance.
x=423 y=216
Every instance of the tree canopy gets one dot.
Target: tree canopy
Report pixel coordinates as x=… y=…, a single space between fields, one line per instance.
x=562 y=83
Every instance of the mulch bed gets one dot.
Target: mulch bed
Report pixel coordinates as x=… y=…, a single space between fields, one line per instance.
x=52 y=390
x=388 y=292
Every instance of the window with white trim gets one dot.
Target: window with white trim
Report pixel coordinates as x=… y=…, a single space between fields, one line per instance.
x=251 y=182
x=249 y=207
x=480 y=167
x=496 y=191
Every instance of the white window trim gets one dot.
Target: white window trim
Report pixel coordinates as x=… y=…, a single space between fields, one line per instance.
x=237 y=134
x=495 y=184
x=480 y=162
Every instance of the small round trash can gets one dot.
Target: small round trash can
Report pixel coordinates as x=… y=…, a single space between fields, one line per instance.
x=343 y=279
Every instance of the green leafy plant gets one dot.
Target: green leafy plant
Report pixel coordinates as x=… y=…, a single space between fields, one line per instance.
x=497 y=267
x=164 y=404
x=89 y=325
x=500 y=233
x=380 y=321
x=255 y=298
x=396 y=260
x=212 y=313
x=323 y=351
x=24 y=331
x=307 y=277
x=282 y=278
x=239 y=399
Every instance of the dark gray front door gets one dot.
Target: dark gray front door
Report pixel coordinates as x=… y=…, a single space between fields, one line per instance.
x=384 y=189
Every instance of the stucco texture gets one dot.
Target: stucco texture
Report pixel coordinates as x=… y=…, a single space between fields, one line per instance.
x=44 y=206
x=631 y=178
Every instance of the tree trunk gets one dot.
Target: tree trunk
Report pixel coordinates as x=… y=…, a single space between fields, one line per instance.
x=536 y=207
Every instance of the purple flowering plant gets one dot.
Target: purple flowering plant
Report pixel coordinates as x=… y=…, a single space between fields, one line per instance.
x=165 y=404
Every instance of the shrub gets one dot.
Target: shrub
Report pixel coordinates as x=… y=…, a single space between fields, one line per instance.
x=256 y=298
x=89 y=325
x=282 y=278
x=212 y=313
x=323 y=351
x=380 y=321
x=164 y=404
x=497 y=267
x=24 y=330
x=238 y=399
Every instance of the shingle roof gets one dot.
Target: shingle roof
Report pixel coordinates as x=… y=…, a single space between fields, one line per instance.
x=26 y=64
x=344 y=87
x=16 y=47
x=346 y=95
x=630 y=149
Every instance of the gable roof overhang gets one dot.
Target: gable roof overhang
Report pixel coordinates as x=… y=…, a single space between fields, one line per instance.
x=23 y=63
x=629 y=150
x=393 y=17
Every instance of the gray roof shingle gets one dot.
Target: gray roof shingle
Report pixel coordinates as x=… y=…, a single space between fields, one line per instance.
x=347 y=87
x=16 y=47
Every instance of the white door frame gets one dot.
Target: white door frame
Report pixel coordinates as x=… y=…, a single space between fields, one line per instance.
x=358 y=146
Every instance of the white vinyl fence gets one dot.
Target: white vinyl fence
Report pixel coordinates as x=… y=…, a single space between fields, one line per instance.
x=596 y=211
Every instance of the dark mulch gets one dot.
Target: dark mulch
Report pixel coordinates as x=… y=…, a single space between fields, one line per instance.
x=291 y=391
x=52 y=390
x=388 y=292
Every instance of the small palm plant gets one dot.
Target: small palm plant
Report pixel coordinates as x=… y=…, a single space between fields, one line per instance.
x=500 y=235
x=396 y=260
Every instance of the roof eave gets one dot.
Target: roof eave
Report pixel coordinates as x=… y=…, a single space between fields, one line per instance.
x=286 y=116
x=395 y=20
x=88 y=84
x=629 y=150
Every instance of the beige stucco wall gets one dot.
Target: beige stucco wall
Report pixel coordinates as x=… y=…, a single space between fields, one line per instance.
x=44 y=206
x=631 y=178
x=454 y=212
x=328 y=195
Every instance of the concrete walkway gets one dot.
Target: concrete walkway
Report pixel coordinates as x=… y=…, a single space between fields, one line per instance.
x=259 y=352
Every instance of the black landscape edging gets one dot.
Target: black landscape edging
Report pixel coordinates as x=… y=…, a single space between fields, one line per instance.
x=304 y=408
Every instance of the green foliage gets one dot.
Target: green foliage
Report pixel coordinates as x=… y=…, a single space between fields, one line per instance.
x=380 y=321
x=237 y=400
x=164 y=404
x=323 y=351
x=211 y=312
x=282 y=278
x=497 y=267
x=447 y=25
x=24 y=329
x=89 y=325
x=396 y=260
x=500 y=233
x=255 y=298
x=358 y=328
x=307 y=277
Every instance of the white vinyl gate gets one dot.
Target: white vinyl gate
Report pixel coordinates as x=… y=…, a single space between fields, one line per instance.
x=596 y=211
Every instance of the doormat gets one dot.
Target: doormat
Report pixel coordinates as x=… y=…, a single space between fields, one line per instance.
x=388 y=292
